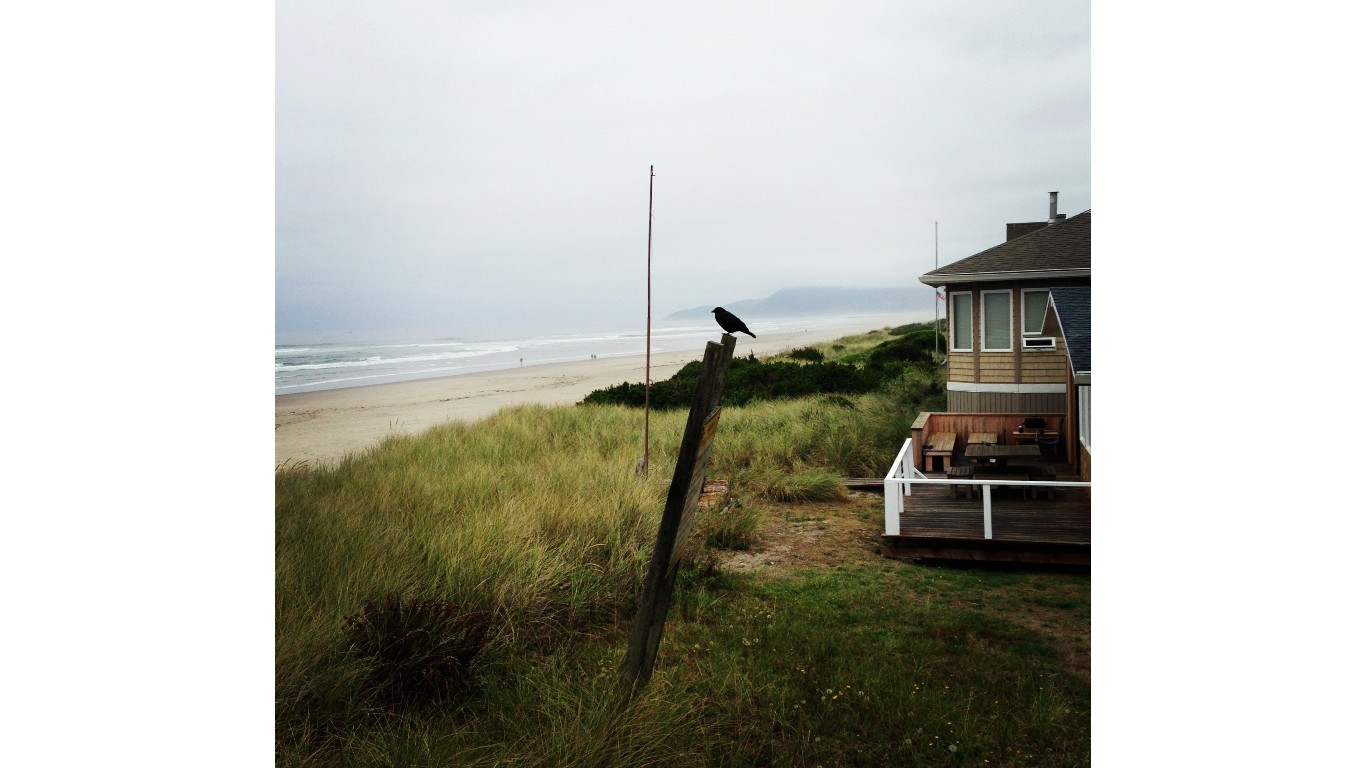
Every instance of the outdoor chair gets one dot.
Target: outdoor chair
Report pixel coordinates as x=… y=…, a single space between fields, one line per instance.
x=1053 y=441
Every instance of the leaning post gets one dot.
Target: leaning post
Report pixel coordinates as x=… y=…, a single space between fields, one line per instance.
x=679 y=506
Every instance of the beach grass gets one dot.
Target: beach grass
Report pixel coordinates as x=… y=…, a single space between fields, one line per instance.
x=535 y=521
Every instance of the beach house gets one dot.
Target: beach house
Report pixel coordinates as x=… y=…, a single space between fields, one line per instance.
x=1019 y=392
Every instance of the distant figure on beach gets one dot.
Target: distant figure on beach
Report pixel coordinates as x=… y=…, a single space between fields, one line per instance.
x=730 y=323
x=519 y=361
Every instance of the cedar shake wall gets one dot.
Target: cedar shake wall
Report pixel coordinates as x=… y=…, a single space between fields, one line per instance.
x=962 y=366
x=1016 y=367
x=997 y=367
x=1046 y=367
x=1043 y=367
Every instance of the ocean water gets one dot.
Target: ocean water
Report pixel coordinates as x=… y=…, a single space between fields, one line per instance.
x=314 y=367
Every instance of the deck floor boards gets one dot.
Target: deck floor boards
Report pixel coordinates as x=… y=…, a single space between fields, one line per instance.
x=935 y=525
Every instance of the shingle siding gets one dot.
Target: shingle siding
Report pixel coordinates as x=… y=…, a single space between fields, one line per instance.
x=1073 y=305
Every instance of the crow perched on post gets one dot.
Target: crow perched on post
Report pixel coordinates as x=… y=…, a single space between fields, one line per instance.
x=730 y=323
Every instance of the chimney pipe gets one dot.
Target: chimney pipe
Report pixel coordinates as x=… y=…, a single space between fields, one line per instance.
x=1052 y=207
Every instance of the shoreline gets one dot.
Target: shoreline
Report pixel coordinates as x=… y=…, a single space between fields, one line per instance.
x=324 y=426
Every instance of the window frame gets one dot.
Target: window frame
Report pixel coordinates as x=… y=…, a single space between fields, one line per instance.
x=1010 y=317
x=954 y=341
x=1024 y=325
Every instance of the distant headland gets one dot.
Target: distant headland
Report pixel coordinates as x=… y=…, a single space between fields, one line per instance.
x=815 y=301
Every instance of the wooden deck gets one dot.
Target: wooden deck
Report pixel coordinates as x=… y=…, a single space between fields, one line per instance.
x=935 y=526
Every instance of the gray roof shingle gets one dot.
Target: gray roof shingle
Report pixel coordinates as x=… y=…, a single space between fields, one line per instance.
x=1073 y=304
x=1061 y=247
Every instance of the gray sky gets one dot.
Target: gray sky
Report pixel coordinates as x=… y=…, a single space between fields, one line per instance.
x=477 y=168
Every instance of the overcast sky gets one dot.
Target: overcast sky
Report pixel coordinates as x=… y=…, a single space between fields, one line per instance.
x=470 y=169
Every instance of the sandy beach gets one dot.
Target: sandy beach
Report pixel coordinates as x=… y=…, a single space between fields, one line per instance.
x=322 y=427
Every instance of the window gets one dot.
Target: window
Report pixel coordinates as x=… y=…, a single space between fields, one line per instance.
x=997 y=323
x=960 y=322
x=1033 y=305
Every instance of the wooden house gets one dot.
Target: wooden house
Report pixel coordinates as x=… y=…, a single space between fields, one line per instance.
x=1019 y=338
x=1019 y=355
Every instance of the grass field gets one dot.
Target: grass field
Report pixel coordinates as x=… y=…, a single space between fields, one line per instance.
x=463 y=597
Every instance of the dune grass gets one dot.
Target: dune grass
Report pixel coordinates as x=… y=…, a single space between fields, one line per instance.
x=535 y=519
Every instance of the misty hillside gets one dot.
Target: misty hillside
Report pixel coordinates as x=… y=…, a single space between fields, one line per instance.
x=802 y=302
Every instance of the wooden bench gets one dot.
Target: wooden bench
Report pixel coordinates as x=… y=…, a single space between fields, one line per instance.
x=940 y=444
x=1004 y=479
x=983 y=438
x=960 y=473
x=1005 y=474
x=998 y=475
x=1022 y=472
x=1043 y=472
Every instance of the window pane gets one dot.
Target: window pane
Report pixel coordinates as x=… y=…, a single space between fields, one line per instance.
x=962 y=321
x=1035 y=302
x=996 y=320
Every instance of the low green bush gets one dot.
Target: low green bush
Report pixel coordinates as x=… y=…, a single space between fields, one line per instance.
x=807 y=353
x=749 y=379
x=913 y=347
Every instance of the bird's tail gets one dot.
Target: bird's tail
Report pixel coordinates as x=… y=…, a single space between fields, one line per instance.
x=752 y=336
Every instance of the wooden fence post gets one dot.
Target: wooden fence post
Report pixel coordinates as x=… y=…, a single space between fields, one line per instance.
x=689 y=474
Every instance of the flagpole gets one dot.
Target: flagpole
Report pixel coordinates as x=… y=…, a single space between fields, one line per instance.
x=936 y=290
x=649 y=242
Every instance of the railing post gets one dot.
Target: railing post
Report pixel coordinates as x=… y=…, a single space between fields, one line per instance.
x=892 y=503
x=986 y=511
x=891 y=508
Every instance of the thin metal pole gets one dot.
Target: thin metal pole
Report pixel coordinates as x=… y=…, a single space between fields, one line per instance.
x=936 y=293
x=649 y=245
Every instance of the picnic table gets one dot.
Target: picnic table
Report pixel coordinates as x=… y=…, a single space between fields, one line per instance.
x=982 y=438
x=1002 y=474
x=1002 y=454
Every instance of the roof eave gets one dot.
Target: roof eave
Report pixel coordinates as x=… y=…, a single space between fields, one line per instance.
x=934 y=280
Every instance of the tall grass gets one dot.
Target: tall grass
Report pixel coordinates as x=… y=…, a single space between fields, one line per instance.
x=534 y=517
x=535 y=521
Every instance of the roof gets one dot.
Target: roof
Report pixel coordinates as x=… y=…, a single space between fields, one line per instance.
x=1073 y=305
x=1062 y=249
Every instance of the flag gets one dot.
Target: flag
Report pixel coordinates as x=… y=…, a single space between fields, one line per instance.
x=940 y=295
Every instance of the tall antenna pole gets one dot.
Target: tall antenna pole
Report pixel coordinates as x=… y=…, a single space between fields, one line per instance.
x=649 y=245
x=936 y=291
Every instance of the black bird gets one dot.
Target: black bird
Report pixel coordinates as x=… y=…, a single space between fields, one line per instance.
x=730 y=323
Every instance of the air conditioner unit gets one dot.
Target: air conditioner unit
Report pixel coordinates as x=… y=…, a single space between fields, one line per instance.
x=1040 y=342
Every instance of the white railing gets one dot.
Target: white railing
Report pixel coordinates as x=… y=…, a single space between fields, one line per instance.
x=904 y=477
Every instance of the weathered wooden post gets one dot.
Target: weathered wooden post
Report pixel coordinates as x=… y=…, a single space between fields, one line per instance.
x=681 y=503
